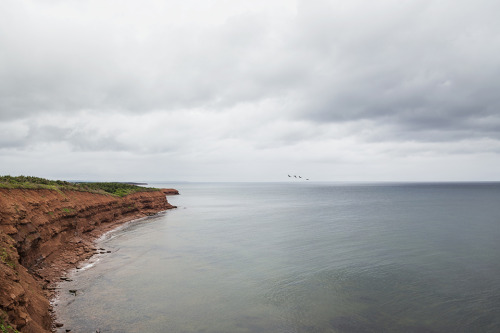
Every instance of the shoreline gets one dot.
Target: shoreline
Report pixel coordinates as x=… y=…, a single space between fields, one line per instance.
x=83 y=263
x=44 y=234
x=72 y=257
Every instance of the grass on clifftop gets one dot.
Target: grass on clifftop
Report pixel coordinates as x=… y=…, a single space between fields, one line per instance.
x=116 y=189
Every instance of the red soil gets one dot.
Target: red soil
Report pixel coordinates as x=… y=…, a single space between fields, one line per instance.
x=45 y=233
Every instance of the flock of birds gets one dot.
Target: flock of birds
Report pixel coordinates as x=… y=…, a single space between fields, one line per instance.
x=294 y=176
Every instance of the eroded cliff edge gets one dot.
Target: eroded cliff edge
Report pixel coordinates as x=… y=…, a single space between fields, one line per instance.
x=44 y=233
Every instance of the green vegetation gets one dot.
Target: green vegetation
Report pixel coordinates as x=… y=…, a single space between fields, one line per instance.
x=5 y=327
x=32 y=180
x=6 y=259
x=115 y=189
x=118 y=189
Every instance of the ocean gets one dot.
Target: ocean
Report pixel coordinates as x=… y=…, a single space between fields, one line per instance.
x=299 y=257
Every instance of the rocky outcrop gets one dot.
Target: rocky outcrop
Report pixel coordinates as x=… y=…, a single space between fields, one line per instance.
x=44 y=233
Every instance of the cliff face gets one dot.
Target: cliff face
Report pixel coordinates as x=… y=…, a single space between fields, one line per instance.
x=44 y=233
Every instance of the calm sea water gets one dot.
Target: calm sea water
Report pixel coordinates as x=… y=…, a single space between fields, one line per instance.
x=300 y=257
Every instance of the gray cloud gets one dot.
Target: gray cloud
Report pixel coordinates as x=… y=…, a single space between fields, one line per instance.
x=57 y=64
x=421 y=70
x=215 y=80
x=424 y=66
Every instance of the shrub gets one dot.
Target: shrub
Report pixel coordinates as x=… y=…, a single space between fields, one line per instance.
x=115 y=189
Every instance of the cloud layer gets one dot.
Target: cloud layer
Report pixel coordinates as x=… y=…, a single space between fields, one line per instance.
x=370 y=90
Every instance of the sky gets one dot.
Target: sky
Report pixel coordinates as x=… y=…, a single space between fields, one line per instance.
x=233 y=90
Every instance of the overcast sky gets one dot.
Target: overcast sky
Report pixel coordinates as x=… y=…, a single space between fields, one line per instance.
x=238 y=90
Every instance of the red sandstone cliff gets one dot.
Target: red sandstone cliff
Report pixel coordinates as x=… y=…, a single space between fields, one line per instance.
x=44 y=233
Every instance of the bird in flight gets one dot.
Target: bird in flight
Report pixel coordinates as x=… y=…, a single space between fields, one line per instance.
x=298 y=177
